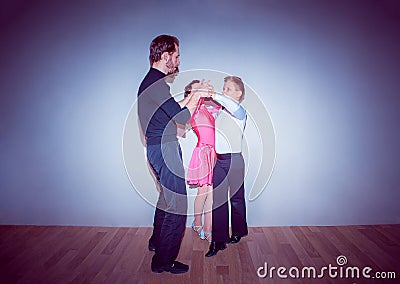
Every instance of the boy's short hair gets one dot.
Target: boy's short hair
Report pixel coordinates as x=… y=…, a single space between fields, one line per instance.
x=238 y=82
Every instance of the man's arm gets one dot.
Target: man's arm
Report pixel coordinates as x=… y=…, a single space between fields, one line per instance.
x=184 y=101
x=160 y=94
x=190 y=106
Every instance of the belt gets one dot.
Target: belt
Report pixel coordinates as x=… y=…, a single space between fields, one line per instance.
x=226 y=156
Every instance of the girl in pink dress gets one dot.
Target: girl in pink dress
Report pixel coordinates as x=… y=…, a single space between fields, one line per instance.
x=201 y=165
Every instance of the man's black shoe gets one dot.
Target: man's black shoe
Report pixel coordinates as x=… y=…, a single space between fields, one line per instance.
x=234 y=239
x=175 y=267
x=152 y=246
x=215 y=247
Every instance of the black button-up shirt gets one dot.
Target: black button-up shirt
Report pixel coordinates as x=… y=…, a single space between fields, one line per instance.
x=158 y=111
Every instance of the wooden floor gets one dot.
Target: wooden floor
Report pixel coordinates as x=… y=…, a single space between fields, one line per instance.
x=36 y=254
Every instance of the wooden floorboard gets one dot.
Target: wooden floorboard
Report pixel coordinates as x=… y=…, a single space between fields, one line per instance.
x=57 y=254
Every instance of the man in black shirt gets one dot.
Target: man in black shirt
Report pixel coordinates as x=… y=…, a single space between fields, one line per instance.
x=158 y=115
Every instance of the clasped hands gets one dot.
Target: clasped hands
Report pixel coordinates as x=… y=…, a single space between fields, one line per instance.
x=200 y=90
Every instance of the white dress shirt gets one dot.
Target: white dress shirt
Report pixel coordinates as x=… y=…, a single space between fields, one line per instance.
x=229 y=126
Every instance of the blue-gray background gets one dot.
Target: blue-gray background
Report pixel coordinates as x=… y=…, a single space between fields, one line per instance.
x=328 y=72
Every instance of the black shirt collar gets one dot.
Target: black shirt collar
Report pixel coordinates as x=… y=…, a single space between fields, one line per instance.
x=157 y=73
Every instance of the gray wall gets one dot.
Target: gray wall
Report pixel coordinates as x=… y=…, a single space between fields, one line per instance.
x=326 y=70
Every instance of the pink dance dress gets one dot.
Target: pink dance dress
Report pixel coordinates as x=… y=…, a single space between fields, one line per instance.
x=201 y=165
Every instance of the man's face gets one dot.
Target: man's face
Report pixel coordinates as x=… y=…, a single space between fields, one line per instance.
x=173 y=61
x=231 y=90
